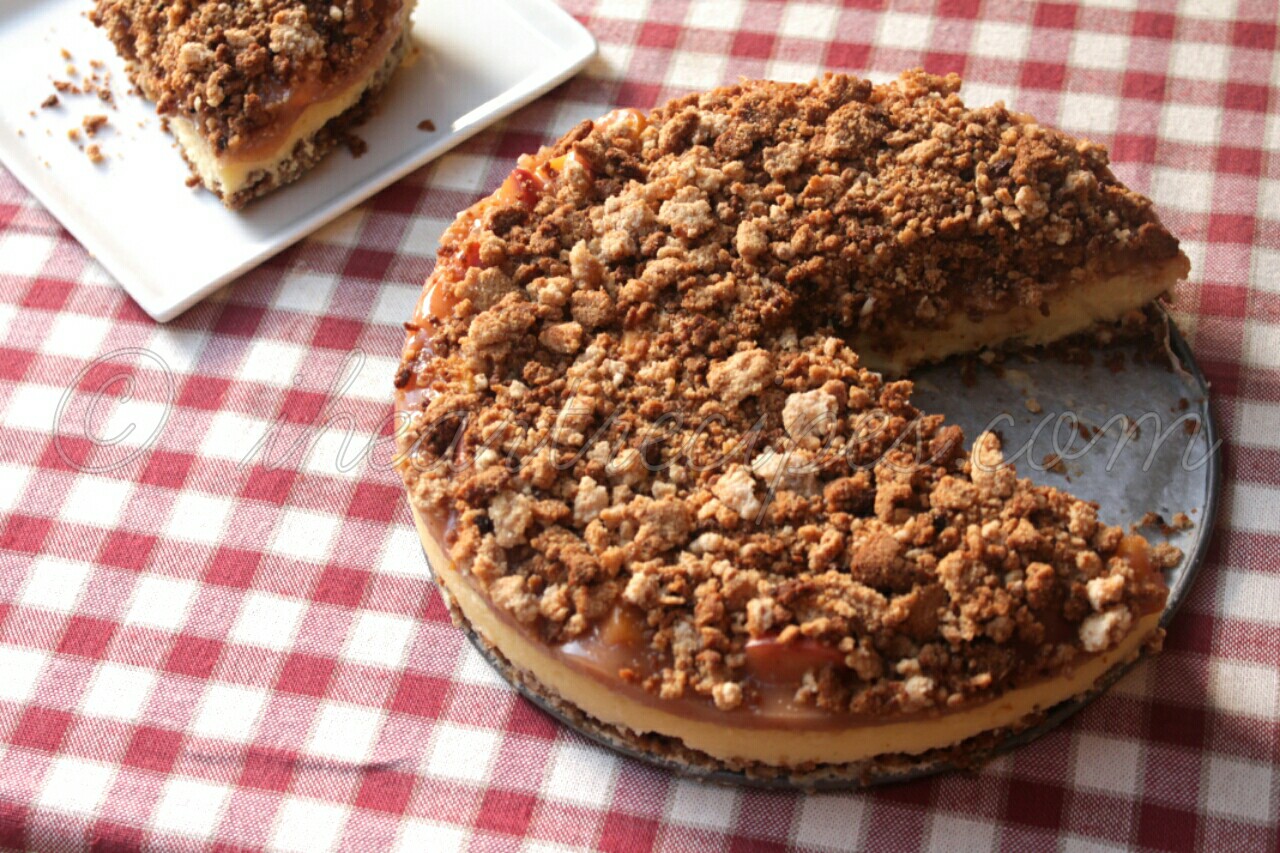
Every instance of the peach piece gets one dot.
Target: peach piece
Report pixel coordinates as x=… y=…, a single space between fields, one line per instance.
x=623 y=629
x=1137 y=551
x=775 y=662
x=521 y=187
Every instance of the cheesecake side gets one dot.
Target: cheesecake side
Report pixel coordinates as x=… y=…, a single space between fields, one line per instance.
x=735 y=741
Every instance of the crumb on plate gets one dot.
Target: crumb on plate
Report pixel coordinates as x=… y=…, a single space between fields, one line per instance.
x=92 y=124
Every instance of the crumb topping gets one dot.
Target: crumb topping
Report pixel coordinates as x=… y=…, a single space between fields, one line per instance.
x=232 y=67
x=629 y=390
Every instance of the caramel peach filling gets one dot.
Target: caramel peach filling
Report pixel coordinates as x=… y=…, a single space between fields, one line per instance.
x=776 y=667
x=290 y=105
x=772 y=661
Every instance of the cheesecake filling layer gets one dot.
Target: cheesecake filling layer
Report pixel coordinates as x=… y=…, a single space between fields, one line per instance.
x=1065 y=312
x=229 y=175
x=744 y=736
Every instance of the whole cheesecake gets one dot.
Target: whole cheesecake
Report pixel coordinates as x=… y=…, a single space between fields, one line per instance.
x=659 y=470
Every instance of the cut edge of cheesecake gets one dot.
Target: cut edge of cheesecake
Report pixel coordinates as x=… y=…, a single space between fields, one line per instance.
x=322 y=127
x=1094 y=302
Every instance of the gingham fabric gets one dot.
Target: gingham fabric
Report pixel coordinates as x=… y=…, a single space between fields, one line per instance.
x=216 y=628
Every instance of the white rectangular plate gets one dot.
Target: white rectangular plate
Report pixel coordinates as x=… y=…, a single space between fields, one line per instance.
x=169 y=245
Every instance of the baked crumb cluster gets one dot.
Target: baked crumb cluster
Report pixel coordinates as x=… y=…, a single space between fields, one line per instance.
x=230 y=67
x=629 y=392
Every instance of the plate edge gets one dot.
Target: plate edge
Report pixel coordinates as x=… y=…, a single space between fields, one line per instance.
x=70 y=216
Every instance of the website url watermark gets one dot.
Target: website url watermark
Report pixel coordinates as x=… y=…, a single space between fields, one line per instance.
x=120 y=405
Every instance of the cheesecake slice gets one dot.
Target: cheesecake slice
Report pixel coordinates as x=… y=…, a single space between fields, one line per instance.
x=658 y=468
x=258 y=93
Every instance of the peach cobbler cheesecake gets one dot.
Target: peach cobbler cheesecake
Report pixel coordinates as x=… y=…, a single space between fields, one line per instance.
x=257 y=93
x=655 y=472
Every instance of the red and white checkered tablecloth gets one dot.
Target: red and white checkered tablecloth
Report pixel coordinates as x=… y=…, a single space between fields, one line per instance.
x=216 y=629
